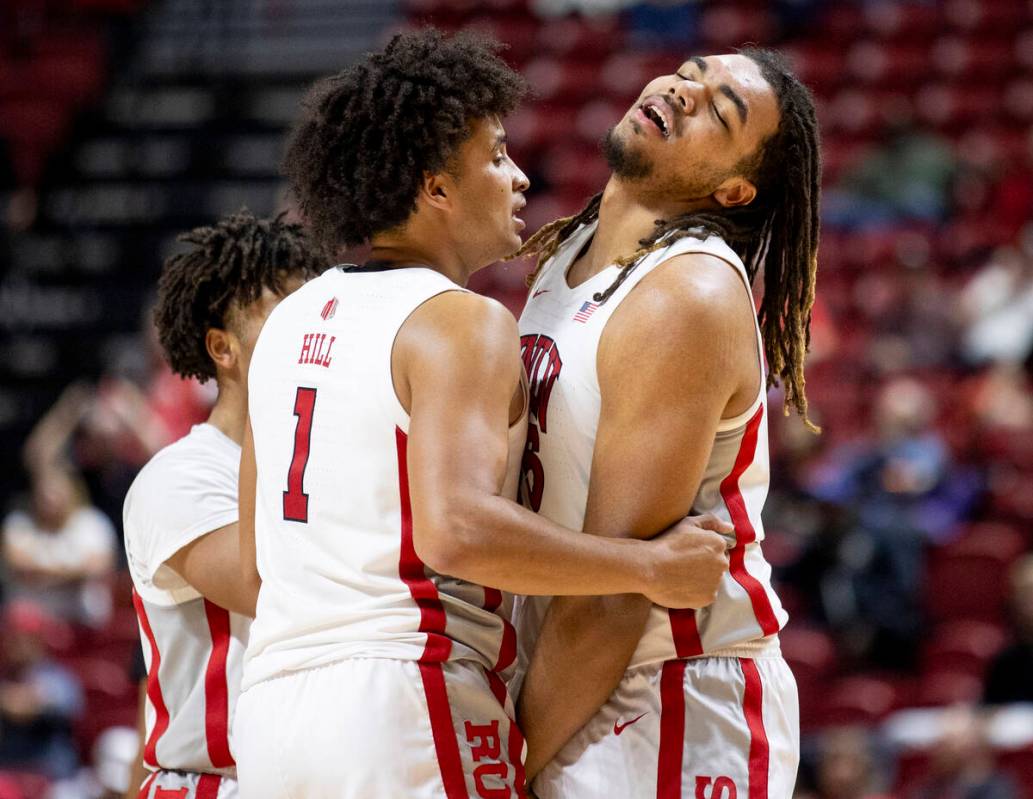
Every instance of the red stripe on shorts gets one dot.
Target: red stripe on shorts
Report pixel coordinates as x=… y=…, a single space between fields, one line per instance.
x=753 y=709
x=208 y=786
x=672 y=730
x=744 y=532
x=445 y=744
x=161 y=720
x=515 y=739
x=216 y=692
x=413 y=573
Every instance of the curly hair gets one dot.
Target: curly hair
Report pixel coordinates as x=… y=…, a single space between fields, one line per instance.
x=229 y=266
x=367 y=135
x=776 y=234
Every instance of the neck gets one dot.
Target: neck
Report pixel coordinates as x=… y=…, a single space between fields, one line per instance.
x=405 y=248
x=626 y=217
x=229 y=415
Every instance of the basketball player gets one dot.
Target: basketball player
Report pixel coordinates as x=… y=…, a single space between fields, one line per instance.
x=181 y=511
x=641 y=324
x=388 y=418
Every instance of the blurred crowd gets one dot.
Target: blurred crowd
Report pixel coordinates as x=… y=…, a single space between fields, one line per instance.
x=901 y=535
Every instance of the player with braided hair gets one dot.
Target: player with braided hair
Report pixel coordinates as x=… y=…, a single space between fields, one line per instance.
x=181 y=511
x=379 y=479
x=648 y=381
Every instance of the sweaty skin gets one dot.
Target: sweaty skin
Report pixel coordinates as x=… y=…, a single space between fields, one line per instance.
x=457 y=372
x=677 y=356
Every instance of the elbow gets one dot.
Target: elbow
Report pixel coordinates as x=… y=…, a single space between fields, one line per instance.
x=444 y=540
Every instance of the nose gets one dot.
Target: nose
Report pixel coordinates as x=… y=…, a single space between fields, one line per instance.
x=520 y=181
x=687 y=95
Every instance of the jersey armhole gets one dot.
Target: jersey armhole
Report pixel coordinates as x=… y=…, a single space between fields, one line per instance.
x=739 y=420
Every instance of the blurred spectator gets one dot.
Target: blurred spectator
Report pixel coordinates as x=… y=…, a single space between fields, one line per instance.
x=39 y=698
x=108 y=777
x=996 y=307
x=880 y=502
x=962 y=765
x=905 y=178
x=110 y=431
x=1001 y=397
x=1010 y=675
x=60 y=552
x=846 y=767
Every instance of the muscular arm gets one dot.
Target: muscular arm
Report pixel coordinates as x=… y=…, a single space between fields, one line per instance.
x=457 y=367
x=669 y=369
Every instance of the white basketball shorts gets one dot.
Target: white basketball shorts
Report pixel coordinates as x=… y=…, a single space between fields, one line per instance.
x=703 y=728
x=185 y=785
x=373 y=728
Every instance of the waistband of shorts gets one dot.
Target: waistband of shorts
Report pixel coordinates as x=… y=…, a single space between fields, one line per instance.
x=767 y=647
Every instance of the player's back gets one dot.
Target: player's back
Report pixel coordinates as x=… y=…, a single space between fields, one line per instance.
x=340 y=576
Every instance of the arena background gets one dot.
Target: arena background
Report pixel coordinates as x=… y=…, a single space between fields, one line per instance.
x=898 y=535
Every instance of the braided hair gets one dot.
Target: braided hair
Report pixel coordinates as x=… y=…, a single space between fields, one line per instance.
x=776 y=234
x=228 y=266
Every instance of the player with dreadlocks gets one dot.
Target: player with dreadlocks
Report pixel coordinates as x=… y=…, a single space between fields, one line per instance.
x=648 y=381
x=378 y=484
x=181 y=511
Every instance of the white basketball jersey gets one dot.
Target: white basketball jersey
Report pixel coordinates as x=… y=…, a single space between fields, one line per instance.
x=333 y=525
x=560 y=330
x=193 y=648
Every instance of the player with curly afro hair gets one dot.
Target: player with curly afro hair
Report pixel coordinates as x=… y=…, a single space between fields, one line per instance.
x=229 y=268
x=181 y=512
x=420 y=421
x=369 y=136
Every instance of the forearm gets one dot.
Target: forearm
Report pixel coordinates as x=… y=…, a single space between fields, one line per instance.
x=493 y=541
x=582 y=652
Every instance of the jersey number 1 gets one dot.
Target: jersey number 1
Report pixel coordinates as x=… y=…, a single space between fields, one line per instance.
x=295 y=500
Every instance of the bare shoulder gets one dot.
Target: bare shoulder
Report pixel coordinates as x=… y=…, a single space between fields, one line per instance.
x=455 y=333
x=694 y=299
x=452 y=314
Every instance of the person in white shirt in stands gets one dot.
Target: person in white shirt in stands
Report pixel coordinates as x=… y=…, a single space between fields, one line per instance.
x=181 y=511
x=60 y=552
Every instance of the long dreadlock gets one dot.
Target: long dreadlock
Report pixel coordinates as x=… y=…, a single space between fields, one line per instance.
x=776 y=234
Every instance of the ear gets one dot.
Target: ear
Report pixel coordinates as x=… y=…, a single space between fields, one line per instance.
x=436 y=190
x=735 y=191
x=222 y=347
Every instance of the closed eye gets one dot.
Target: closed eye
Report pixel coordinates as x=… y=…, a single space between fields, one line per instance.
x=720 y=118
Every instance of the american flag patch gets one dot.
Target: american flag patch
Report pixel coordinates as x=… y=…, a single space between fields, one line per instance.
x=329 y=309
x=586 y=310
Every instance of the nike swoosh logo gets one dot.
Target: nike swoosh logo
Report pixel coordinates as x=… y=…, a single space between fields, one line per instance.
x=540 y=291
x=618 y=728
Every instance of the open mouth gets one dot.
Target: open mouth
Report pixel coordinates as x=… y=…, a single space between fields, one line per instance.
x=651 y=111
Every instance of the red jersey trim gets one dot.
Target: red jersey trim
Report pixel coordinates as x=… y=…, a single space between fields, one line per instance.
x=753 y=710
x=161 y=721
x=216 y=690
x=745 y=533
x=685 y=632
x=414 y=575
